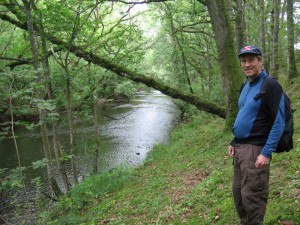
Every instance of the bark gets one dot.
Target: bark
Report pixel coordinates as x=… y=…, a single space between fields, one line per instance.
x=227 y=53
x=230 y=10
x=292 y=68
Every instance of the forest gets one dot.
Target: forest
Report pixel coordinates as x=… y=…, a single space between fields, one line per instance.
x=60 y=58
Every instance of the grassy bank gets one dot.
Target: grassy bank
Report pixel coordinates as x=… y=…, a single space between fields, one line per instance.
x=187 y=181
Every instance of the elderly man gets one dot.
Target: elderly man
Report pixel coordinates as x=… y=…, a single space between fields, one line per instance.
x=257 y=129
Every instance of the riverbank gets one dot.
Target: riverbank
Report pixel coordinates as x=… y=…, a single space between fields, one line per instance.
x=187 y=181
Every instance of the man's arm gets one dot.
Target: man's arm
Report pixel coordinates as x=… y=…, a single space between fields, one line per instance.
x=275 y=108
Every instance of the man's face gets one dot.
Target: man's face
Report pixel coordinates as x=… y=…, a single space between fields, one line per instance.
x=251 y=65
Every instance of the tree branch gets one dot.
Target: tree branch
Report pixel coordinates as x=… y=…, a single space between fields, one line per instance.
x=201 y=104
x=15 y=59
x=17 y=62
x=202 y=2
x=138 y=2
x=17 y=23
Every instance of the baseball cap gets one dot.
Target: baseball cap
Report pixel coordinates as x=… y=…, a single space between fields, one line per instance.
x=250 y=49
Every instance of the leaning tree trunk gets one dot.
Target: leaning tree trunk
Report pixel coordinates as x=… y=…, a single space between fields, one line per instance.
x=292 y=68
x=200 y=103
x=227 y=53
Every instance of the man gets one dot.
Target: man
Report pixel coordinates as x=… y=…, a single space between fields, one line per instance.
x=257 y=129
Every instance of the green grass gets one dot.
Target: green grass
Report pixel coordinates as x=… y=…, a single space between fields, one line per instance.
x=187 y=181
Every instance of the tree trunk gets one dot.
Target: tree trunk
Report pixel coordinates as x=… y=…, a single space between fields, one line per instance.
x=97 y=147
x=240 y=24
x=71 y=127
x=45 y=56
x=184 y=62
x=292 y=68
x=181 y=50
x=274 y=67
x=262 y=36
x=64 y=63
x=15 y=140
x=227 y=53
x=70 y=100
x=44 y=129
x=94 y=111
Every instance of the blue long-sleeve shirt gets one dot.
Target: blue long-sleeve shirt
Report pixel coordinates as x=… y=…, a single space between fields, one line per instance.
x=261 y=116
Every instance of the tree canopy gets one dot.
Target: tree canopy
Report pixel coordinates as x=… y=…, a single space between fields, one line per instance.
x=171 y=46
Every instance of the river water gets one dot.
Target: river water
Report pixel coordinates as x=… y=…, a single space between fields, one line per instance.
x=127 y=132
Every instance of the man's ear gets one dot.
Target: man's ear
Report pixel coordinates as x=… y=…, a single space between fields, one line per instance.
x=260 y=61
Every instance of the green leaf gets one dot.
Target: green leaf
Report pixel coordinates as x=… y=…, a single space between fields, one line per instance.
x=39 y=164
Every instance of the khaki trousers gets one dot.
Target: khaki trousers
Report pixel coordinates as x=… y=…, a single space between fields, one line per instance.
x=250 y=185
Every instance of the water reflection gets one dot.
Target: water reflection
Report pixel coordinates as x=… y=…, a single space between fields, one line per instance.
x=127 y=132
x=140 y=124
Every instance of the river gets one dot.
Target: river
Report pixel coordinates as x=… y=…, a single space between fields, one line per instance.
x=127 y=132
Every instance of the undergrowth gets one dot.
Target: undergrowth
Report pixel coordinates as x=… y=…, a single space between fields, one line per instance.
x=187 y=181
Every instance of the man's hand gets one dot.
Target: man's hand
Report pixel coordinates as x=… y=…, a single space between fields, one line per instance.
x=261 y=161
x=231 y=151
